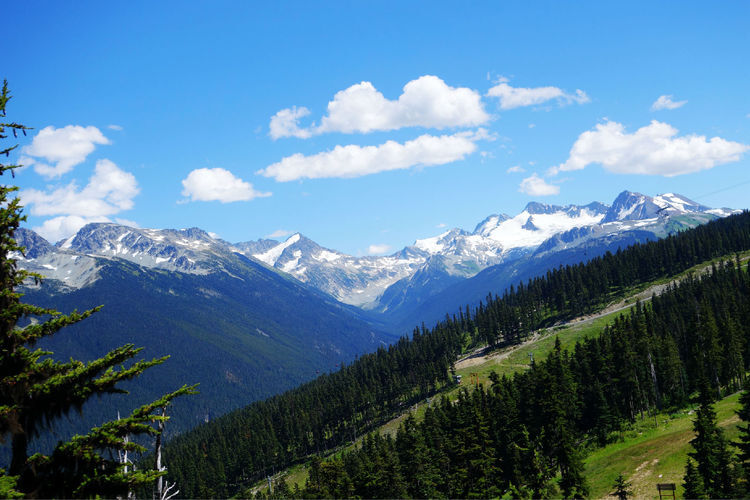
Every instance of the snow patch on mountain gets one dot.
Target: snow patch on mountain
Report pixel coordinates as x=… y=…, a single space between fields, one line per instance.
x=421 y=268
x=272 y=255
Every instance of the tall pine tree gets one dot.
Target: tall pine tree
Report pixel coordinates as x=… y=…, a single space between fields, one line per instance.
x=36 y=390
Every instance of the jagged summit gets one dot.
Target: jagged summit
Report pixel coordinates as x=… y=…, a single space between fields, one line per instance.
x=630 y=206
x=363 y=281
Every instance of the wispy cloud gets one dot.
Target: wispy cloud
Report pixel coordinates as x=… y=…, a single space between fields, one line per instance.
x=515 y=169
x=650 y=150
x=666 y=102
x=516 y=97
x=279 y=233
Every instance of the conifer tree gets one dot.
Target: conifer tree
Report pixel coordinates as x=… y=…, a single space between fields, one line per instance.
x=711 y=451
x=693 y=482
x=36 y=390
x=622 y=491
x=743 y=444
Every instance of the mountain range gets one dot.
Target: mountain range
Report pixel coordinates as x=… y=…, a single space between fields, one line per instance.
x=253 y=318
x=452 y=265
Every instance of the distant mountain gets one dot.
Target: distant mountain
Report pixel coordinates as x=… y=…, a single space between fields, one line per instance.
x=631 y=219
x=250 y=319
x=242 y=330
x=402 y=285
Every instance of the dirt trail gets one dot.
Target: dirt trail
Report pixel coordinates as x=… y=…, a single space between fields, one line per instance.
x=480 y=355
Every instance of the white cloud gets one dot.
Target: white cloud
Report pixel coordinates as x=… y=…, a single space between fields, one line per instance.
x=109 y=191
x=61 y=149
x=127 y=222
x=279 y=233
x=425 y=102
x=516 y=97
x=515 y=169
x=218 y=184
x=285 y=123
x=441 y=225
x=115 y=127
x=378 y=249
x=666 y=102
x=356 y=161
x=650 y=150
x=62 y=227
x=536 y=186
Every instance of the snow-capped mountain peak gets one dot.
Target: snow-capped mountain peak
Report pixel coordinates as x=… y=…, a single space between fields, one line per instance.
x=378 y=282
x=441 y=242
x=636 y=206
x=538 y=222
x=271 y=256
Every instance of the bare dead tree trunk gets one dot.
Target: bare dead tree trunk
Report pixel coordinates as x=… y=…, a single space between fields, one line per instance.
x=654 y=380
x=159 y=467
x=163 y=488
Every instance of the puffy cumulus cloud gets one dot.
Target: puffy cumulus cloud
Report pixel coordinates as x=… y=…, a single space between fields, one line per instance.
x=55 y=151
x=536 y=186
x=285 y=123
x=64 y=226
x=425 y=102
x=110 y=190
x=378 y=249
x=666 y=102
x=218 y=184
x=516 y=97
x=650 y=150
x=356 y=161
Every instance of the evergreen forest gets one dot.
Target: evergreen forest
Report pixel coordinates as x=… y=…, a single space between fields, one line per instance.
x=523 y=435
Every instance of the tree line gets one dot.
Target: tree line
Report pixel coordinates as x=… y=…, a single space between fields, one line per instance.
x=525 y=435
x=36 y=390
x=224 y=456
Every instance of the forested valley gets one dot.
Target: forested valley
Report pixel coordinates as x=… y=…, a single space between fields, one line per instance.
x=522 y=432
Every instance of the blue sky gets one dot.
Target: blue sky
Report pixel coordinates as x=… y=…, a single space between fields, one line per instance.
x=365 y=125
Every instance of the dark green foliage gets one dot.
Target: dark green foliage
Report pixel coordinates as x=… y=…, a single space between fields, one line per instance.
x=693 y=482
x=743 y=444
x=519 y=435
x=515 y=438
x=711 y=451
x=621 y=486
x=76 y=468
x=36 y=390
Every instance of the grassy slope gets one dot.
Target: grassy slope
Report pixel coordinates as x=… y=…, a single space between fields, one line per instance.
x=653 y=451
x=645 y=451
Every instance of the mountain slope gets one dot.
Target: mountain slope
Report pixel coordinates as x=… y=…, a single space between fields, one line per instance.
x=241 y=330
x=439 y=274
